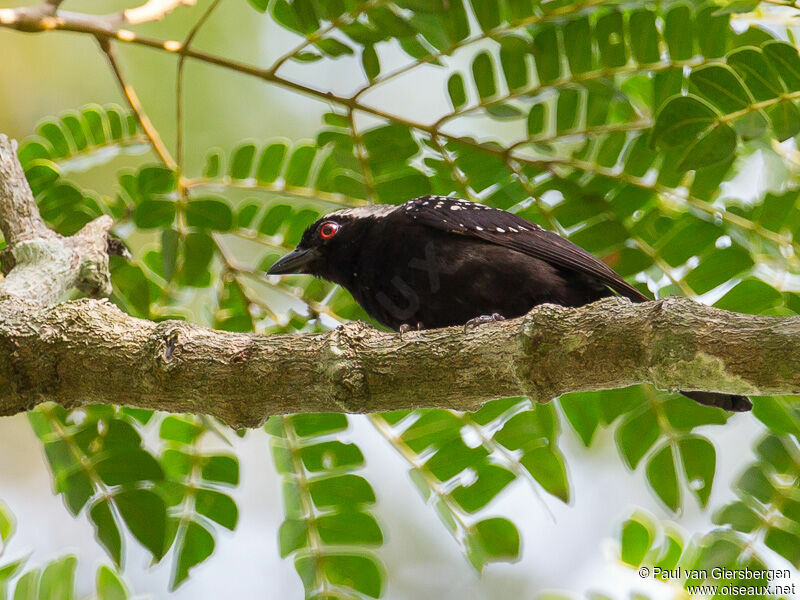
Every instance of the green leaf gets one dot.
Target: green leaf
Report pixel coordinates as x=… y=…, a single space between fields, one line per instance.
x=720 y=266
x=145 y=514
x=313 y=424
x=483 y=73
x=513 y=51
x=292 y=536
x=6 y=522
x=785 y=120
x=611 y=39
x=106 y=529
x=721 y=86
x=493 y=540
x=179 y=429
x=578 y=44
x=327 y=456
x=456 y=90
x=740 y=516
x=784 y=542
x=54 y=134
x=684 y=414
x=128 y=465
x=663 y=478
x=110 y=586
x=299 y=166
x=9 y=570
x=678 y=32
x=583 y=414
x=340 y=490
x=636 y=539
x=699 y=460
x=755 y=483
x=259 y=5
x=546 y=52
x=156 y=180
x=333 y=47
x=681 y=120
x=198 y=250
x=453 y=457
x=644 y=37
x=242 y=161
x=546 y=465
x=490 y=481
x=209 y=212
x=270 y=163
x=152 y=214
x=756 y=72
x=370 y=62
x=784 y=59
x=27 y=586
x=218 y=507
x=222 y=469
x=58 y=579
x=195 y=547
x=636 y=435
x=349 y=527
x=357 y=571
x=716 y=145
x=750 y=296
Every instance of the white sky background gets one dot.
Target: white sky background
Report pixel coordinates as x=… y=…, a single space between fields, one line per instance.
x=570 y=552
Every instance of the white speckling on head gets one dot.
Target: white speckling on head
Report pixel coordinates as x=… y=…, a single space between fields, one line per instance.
x=371 y=210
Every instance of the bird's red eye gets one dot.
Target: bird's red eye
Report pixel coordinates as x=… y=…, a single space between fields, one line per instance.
x=328 y=230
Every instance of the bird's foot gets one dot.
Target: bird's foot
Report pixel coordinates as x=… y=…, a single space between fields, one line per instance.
x=483 y=319
x=405 y=328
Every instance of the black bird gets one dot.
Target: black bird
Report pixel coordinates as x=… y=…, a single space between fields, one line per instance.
x=436 y=261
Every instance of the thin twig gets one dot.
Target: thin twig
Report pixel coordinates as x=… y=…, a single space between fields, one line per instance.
x=152 y=10
x=136 y=105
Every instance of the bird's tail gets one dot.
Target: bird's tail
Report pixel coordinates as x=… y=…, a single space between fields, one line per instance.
x=730 y=402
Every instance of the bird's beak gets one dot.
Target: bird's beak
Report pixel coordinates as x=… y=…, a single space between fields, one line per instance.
x=295 y=262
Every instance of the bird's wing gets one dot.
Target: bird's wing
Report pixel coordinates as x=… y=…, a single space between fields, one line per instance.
x=506 y=229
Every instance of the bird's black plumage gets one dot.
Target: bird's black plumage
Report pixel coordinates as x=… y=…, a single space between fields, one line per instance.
x=437 y=261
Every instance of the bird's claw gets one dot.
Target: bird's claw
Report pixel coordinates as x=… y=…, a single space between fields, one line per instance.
x=483 y=319
x=405 y=328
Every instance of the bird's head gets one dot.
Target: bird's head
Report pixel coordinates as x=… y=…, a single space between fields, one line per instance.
x=328 y=245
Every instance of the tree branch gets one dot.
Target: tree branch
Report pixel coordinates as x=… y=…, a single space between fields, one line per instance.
x=88 y=351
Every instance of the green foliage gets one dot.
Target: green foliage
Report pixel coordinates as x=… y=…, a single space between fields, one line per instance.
x=622 y=126
x=769 y=498
x=171 y=502
x=720 y=559
x=328 y=528
x=195 y=489
x=98 y=462
x=466 y=466
x=53 y=581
